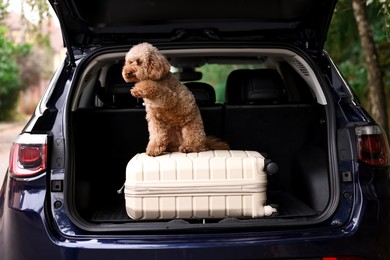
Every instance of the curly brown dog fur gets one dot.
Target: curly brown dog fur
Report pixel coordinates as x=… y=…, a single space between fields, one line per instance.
x=174 y=120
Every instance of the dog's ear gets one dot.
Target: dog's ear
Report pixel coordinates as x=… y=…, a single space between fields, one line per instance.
x=158 y=66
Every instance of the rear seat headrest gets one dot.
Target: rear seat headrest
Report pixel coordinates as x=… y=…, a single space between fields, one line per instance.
x=119 y=96
x=114 y=75
x=116 y=92
x=204 y=93
x=257 y=86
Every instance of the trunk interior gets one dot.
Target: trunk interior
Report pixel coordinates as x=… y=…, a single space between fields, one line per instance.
x=108 y=128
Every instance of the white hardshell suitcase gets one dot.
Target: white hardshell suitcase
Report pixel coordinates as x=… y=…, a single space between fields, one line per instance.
x=211 y=184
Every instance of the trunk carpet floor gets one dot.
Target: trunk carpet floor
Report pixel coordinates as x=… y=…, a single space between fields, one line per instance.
x=288 y=207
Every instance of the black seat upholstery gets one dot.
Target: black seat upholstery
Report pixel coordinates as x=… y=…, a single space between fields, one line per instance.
x=116 y=92
x=211 y=112
x=259 y=86
x=119 y=96
x=257 y=117
x=204 y=93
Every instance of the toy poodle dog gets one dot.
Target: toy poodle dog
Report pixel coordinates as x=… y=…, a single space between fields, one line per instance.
x=174 y=120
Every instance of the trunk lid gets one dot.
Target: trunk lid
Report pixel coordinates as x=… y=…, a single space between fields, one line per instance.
x=303 y=23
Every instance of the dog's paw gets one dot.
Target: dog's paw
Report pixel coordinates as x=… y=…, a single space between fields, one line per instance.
x=137 y=92
x=191 y=149
x=184 y=150
x=155 y=150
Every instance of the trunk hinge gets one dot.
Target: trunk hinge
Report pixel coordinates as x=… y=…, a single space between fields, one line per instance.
x=67 y=44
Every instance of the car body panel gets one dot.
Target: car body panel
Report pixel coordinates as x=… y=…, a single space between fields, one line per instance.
x=38 y=219
x=46 y=243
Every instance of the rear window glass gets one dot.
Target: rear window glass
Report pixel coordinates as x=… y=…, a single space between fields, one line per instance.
x=216 y=75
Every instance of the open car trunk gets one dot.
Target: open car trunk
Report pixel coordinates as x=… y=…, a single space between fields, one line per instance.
x=108 y=127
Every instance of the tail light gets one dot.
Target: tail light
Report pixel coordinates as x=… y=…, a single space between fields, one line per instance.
x=372 y=145
x=344 y=258
x=28 y=156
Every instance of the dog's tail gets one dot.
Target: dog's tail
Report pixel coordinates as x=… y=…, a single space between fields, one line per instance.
x=213 y=143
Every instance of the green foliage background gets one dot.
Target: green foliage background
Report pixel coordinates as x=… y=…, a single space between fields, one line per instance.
x=25 y=64
x=9 y=74
x=344 y=46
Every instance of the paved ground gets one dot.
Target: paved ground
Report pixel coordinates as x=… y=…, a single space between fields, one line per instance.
x=8 y=133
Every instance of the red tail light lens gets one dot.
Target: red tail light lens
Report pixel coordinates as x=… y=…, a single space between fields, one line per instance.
x=28 y=155
x=372 y=145
x=344 y=258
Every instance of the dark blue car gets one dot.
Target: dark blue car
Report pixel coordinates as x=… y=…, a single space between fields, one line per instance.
x=262 y=82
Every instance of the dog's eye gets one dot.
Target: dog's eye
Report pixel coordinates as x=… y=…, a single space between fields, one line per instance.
x=139 y=62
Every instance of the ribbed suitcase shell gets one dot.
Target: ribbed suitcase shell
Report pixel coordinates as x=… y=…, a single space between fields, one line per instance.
x=211 y=184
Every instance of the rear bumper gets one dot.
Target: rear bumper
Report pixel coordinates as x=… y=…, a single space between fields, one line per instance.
x=26 y=238
x=27 y=233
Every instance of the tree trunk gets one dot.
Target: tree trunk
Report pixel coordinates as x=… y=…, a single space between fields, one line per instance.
x=376 y=90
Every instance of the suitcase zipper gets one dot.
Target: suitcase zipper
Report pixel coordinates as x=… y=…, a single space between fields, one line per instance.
x=195 y=188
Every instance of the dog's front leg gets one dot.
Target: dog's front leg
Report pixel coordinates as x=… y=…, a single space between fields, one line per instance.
x=145 y=89
x=158 y=137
